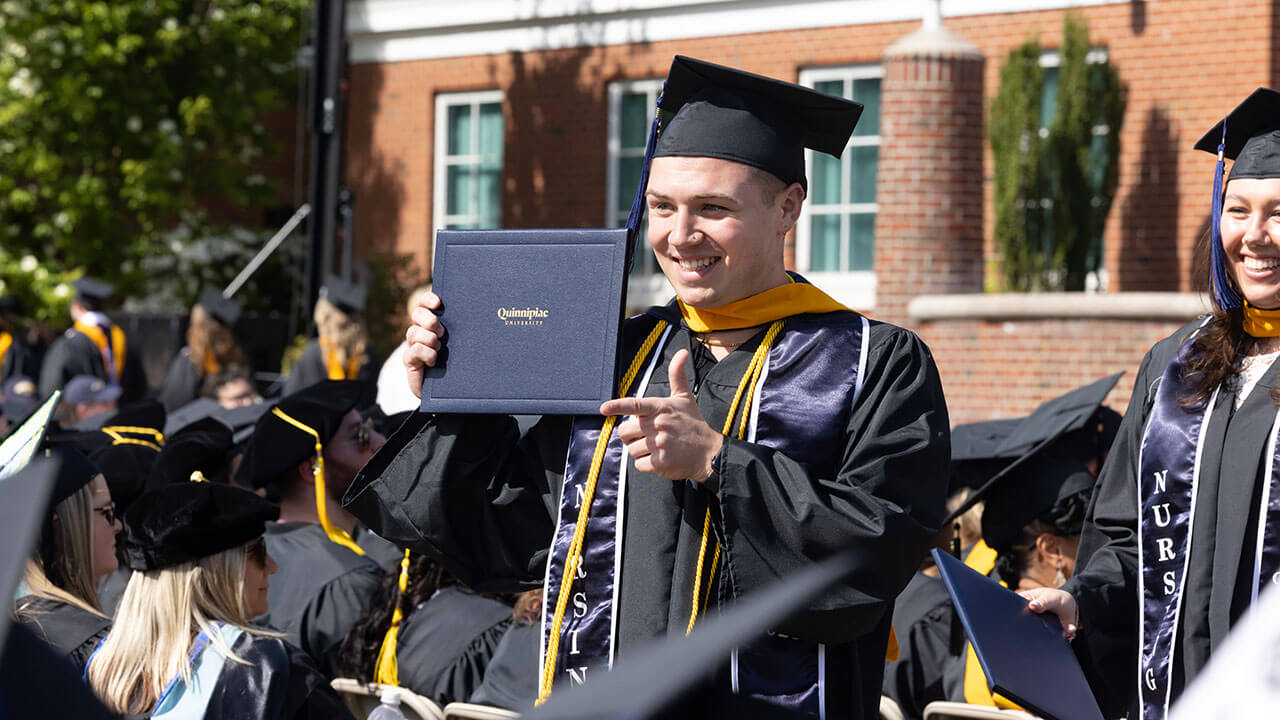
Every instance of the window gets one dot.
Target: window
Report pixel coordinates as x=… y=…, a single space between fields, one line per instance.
x=468 y=168
x=1051 y=61
x=835 y=237
x=632 y=104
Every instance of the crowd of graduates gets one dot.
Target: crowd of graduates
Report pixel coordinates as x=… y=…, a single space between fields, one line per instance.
x=206 y=516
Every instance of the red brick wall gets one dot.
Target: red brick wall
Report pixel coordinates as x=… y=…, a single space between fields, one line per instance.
x=1004 y=369
x=929 y=227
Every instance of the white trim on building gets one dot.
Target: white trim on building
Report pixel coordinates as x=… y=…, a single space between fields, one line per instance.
x=400 y=30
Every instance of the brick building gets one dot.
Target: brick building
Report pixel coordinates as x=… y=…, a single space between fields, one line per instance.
x=532 y=114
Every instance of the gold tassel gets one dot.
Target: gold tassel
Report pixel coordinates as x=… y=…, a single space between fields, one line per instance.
x=387 y=669
x=336 y=534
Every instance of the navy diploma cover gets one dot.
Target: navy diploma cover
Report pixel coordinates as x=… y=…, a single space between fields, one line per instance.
x=531 y=320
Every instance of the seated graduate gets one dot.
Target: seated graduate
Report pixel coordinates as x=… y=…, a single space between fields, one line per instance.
x=767 y=428
x=85 y=397
x=211 y=349
x=340 y=350
x=511 y=678
x=183 y=644
x=232 y=388
x=425 y=633
x=76 y=549
x=303 y=454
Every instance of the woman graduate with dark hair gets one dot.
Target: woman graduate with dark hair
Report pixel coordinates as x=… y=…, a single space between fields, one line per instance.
x=1185 y=525
x=182 y=644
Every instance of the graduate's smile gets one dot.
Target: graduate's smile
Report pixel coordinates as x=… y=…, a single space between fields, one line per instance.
x=697 y=267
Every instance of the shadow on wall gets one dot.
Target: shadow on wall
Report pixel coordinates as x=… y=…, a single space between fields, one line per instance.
x=1148 y=258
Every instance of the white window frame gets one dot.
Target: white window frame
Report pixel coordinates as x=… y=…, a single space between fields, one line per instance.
x=441 y=160
x=856 y=288
x=648 y=286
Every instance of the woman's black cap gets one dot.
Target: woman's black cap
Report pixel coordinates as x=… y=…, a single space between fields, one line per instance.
x=185 y=522
x=75 y=470
x=721 y=112
x=1028 y=492
x=223 y=309
x=1252 y=136
x=347 y=297
x=205 y=446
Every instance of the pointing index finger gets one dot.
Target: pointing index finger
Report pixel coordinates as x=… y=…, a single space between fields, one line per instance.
x=631 y=406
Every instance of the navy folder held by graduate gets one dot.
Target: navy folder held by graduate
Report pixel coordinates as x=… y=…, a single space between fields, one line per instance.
x=531 y=320
x=1024 y=655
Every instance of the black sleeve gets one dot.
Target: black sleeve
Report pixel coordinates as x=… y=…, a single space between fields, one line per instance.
x=277 y=681
x=54 y=370
x=133 y=379
x=468 y=491
x=885 y=502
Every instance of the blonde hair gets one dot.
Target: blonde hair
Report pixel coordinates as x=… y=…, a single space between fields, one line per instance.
x=159 y=615
x=61 y=568
x=971 y=521
x=344 y=333
x=209 y=338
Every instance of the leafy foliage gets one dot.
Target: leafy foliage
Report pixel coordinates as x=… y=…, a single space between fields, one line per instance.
x=1055 y=185
x=120 y=120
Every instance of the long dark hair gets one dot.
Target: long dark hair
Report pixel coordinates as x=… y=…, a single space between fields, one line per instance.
x=359 y=652
x=1220 y=343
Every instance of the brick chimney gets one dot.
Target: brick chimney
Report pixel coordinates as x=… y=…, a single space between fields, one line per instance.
x=929 y=223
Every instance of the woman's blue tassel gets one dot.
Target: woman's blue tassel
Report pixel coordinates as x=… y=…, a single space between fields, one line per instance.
x=1224 y=296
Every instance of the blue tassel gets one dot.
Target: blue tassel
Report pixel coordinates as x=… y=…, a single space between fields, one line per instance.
x=1224 y=296
x=637 y=204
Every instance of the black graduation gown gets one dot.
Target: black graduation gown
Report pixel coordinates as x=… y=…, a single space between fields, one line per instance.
x=482 y=501
x=310 y=369
x=17 y=360
x=320 y=591
x=511 y=679
x=386 y=554
x=1218 y=576
x=280 y=682
x=921 y=618
x=445 y=644
x=73 y=353
x=73 y=632
x=36 y=681
x=182 y=383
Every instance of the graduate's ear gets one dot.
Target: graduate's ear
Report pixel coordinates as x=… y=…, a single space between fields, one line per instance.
x=1052 y=549
x=306 y=472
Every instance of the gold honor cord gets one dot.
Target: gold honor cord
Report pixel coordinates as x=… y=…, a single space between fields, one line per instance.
x=387 y=669
x=746 y=390
x=574 y=555
x=116 y=433
x=333 y=367
x=337 y=535
x=6 y=340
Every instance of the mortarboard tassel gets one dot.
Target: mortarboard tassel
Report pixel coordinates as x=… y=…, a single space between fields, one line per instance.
x=1224 y=295
x=637 y=203
x=387 y=670
x=336 y=534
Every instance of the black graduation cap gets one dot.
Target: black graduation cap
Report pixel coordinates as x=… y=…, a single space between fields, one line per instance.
x=223 y=309
x=202 y=449
x=93 y=290
x=725 y=113
x=1028 y=492
x=974 y=452
x=124 y=446
x=184 y=522
x=347 y=297
x=668 y=678
x=279 y=443
x=1249 y=135
x=197 y=409
x=74 y=471
x=1073 y=412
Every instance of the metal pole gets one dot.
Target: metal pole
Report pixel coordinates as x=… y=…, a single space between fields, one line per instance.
x=284 y=232
x=326 y=140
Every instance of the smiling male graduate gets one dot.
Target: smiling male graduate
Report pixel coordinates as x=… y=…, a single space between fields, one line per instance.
x=762 y=427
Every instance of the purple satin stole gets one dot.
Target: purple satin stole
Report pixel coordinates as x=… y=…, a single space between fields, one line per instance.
x=801 y=406
x=1169 y=469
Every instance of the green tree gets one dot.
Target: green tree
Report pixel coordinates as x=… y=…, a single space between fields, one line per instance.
x=1055 y=181
x=121 y=120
